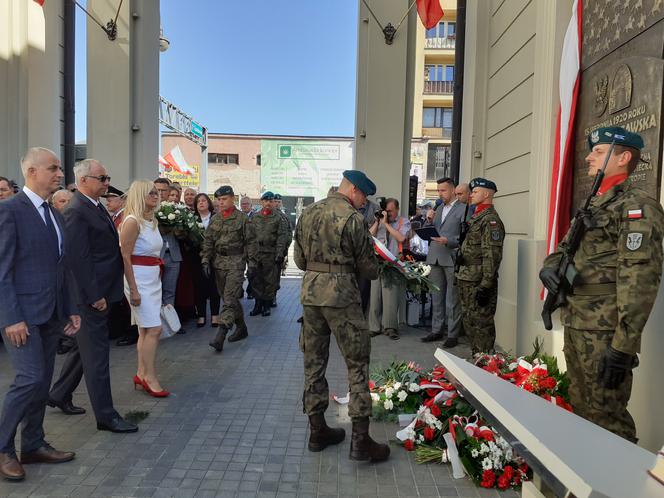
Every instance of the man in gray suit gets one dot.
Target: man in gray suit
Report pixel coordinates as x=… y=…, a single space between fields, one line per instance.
x=442 y=253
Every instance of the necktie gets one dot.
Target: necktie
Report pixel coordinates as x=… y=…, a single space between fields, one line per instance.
x=107 y=217
x=50 y=227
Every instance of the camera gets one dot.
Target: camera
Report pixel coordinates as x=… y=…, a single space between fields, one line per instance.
x=382 y=203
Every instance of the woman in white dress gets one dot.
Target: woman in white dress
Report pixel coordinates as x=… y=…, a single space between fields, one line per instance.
x=140 y=243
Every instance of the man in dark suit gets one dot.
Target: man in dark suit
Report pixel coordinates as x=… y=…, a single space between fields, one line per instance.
x=441 y=256
x=97 y=267
x=34 y=309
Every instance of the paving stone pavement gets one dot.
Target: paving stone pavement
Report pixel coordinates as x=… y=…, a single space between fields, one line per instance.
x=233 y=426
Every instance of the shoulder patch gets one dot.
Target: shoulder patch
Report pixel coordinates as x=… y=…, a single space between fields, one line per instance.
x=493 y=222
x=495 y=234
x=635 y=214
x=634 y=240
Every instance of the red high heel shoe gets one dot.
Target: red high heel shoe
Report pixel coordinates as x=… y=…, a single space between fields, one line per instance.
x=137 y=382
x=155 y=394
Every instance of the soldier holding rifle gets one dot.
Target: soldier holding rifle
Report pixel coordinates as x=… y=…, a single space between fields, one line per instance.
x=605 y=275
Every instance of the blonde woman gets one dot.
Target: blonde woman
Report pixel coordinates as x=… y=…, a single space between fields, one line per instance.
x=140 y=243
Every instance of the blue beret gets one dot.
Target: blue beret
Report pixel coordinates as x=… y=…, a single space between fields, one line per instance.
x=361 y=181
x=224 y=190
x=267 y=196
x=277 y=197
x=620 y=135
x=483 y=182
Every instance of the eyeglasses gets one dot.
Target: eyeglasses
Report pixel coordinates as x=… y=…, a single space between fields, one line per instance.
x=101 y=178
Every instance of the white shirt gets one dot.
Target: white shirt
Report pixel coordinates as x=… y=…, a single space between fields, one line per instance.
x=206 y=220
x=446 y=210
x=38 y=202
x=96 y=203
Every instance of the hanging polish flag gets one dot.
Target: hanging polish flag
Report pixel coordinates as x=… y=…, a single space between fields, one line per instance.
x=175 y=160
x=560 y=200
x=430 y=12
x=40 y=2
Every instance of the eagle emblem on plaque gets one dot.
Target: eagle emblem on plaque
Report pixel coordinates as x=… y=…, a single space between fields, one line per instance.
x=601 y=91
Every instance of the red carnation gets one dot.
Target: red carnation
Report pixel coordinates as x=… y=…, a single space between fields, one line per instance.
x=547 y=383
x=486 y=434
x=488 y=479
x=508 y=471
x=429 y=433
x=409 y=444
x=372 y=385
x=503 y=482
x=435 y=410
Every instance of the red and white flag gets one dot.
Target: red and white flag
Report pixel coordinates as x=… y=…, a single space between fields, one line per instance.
x=560 y=199
x=175 y=160
x=430 y=12
x=40 y=2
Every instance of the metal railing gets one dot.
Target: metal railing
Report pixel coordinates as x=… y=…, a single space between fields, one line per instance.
x=440 y=43
x=437 y=132
x=439 y=87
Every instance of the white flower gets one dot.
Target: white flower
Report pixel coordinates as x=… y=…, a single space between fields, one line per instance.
x=397 y=386
x=420 y=438
x=413 y=388
x=200 y=225
x=388 y=404
x=410 y=433
x=474 y=453
x=389 y=392
x=171 y=216
x=426 y=269
x=402 y=395
x=161 y=215
x=487 y=464
x=375 y=397
x=191 y=224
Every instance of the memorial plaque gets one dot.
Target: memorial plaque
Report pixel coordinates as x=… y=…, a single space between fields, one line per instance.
x=622 y=83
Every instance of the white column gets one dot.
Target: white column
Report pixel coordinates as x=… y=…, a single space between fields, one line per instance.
x=385 y=86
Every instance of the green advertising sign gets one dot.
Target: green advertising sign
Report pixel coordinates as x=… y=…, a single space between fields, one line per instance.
x=304 y=168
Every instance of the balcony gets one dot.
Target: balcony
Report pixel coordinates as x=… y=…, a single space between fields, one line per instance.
x=438 y=87
x=437 y=132
x=440 y=43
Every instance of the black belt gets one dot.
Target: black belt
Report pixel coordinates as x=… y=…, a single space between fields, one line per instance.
x=600 y=289
x=329 y=268
x=231 y=252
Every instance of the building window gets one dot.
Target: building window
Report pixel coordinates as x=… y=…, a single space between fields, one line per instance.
x=443 y=30
x=258 y=159
x=451 y=29
x=439 y=72
x=439 y=162
x=223 y=158
x=437 y=117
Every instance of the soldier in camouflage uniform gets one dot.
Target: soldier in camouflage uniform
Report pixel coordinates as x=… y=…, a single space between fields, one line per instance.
x=228 y=247
x=277 y=206
x=477 y=275
x=619 y=262
x=333 y=246
x=272 y=238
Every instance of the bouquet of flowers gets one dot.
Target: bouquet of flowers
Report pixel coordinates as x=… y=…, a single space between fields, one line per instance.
x=395 y=389
x=413 y=275
x=177 y=217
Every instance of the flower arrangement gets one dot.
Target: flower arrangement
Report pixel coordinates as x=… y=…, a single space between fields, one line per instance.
x=413 y=275
x=395 y=389
x=177 y=217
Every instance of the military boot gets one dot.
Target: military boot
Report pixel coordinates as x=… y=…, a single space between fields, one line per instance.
x=258 y=307
x=218 y=342
x=362 y=447
x=240 y=332
x=266 y=307
x=321 y=436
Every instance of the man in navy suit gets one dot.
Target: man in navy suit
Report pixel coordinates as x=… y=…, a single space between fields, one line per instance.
x=34 y=309
x=97 y=267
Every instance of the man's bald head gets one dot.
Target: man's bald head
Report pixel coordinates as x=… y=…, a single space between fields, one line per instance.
x=462 y=192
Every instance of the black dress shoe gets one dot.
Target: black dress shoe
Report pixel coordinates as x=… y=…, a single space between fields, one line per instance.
x=118 y=424
x=181 y=331
x=67 y=407
x=450 y=342
x=432 y=337
x=126 y=341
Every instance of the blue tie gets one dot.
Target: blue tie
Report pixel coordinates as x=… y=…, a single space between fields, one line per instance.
x=51 y=227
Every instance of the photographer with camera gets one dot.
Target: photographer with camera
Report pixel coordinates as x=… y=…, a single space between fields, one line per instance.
x=392 y=230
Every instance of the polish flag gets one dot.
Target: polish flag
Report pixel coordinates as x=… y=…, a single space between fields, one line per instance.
x=430 y=12
x=40 y=2
x=175 y=160
x=560 y=199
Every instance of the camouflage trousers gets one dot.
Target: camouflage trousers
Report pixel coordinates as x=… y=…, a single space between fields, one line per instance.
x=265 y=280
x=478 y=320
x=589 y=399
x=352 y=335
x=229 y=285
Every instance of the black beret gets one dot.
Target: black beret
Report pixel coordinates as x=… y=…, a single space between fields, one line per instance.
x=483 y=182
x=224 y=190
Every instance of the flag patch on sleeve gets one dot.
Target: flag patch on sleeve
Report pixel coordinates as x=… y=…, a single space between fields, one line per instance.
x=635 y=214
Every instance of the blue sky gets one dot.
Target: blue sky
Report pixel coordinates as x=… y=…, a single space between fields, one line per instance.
x=261 y=66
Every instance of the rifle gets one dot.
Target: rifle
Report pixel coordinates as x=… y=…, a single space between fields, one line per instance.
x=566 y=271
x=462 y=236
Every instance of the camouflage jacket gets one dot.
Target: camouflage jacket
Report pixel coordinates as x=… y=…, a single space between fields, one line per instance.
x=623 y=253
x=272 y=234
x=290 y=231
x=482 y=249
x=332 y=231
x=229 y=242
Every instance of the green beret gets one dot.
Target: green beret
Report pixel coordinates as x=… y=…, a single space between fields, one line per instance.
x=224 y=190
x=483 y=182
x=277 y=197
x=267 y=196
x=620 y=135
x=361 y=181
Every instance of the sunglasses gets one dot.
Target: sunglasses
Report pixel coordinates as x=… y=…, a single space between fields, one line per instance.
x=101 y=178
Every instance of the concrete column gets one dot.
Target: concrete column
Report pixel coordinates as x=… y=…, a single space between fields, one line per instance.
x=30 y=80
x=123 y=90
x=385 y=87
